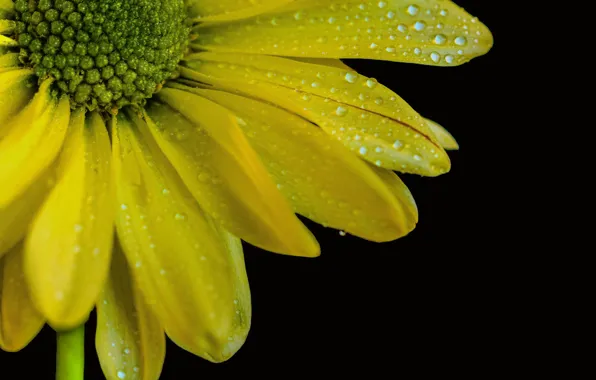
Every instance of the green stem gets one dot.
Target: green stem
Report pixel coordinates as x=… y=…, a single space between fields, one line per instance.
x=70 y=356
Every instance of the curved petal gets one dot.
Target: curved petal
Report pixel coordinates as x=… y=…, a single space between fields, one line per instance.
x=9 y=60
x=31 y=146
x=7 y=26
x=443 y=136
x=6 y=7
x=225 y=175
x=430 y=32
x=399 y=190
x=16 y=217
x=6 y=41
x=19 y=320
x=19 y=84
x=184 y=268
x=320 y=178
x=129 y=340
x=365 y=116
x=69 y=245
x=226 y=10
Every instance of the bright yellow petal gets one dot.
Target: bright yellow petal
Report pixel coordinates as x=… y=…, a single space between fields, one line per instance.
x=430 y=32
x=15 y=218
x=15 y=91
x=7 y=26
x=399 y=190
x=225 y=10
x=365 y=116
x=225 y=175
x=69 y=245
x=129 y=340
x=320 y=178
x=9 y=60
x=6 y=6
x=31 y=146
x=19 y=320
x=6 y=41
x=443 y=136
x=189 y=276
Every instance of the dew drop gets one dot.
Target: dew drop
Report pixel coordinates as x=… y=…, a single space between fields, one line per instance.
x=413 y=10
x=363 y=150
x=436 y=57
x=351 y=77
x=440 y=39
x=180 y=216
x=371 y=83
x=121 y=374
x=461 y=41
x=419 y=25
x=341 y=111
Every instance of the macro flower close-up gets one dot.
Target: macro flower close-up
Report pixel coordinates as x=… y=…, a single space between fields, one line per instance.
x=142 y=141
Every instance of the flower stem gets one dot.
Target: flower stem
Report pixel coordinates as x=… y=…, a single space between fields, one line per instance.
x=70 y=356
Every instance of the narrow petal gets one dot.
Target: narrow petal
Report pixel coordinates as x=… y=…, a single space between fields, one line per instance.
x=443 y=136
x=322 y=179
x=399 y=190
x=429 y=32
x=19 y=320
x=6 y=7
x=365 y=116
x=9 y=60
x=6 y=41
x=16 y=217
x=16 y=89
x=129 y=340
x=188 y=274
x=31 y=146
x=69 y=245
x=226 y=10
x=225 y=175
x=7 y=26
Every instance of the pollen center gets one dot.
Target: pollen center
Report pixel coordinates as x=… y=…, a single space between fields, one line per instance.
x=104 y=54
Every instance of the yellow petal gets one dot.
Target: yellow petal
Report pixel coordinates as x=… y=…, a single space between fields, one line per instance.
x=225 y=175
x=430 y=32
x=187 y=273
x=365 y=116
x=399 y=190
x=129 y=340
x=6 y=41
x=320 y=178
x=15 y=218
x=69 y=245
x=19 y=320
x=31 y=146
x=443 y=136
x=226 y=10
x=16 y=89
x=337 y=63
x=6 y=6
x=7 y=26
x=9 y=60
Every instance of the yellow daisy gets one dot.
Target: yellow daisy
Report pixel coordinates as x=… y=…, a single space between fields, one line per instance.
x=142 y=140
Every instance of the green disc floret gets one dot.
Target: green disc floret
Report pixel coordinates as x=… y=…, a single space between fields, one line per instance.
x=103 y=53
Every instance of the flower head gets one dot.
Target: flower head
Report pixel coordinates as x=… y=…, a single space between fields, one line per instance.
x=142 y=140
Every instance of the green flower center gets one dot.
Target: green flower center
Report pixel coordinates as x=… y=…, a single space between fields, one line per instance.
x=104 y=54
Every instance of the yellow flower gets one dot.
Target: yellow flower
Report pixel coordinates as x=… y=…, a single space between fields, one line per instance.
x=141 y=140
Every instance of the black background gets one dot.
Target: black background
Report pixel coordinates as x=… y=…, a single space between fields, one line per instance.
x=424 y=304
